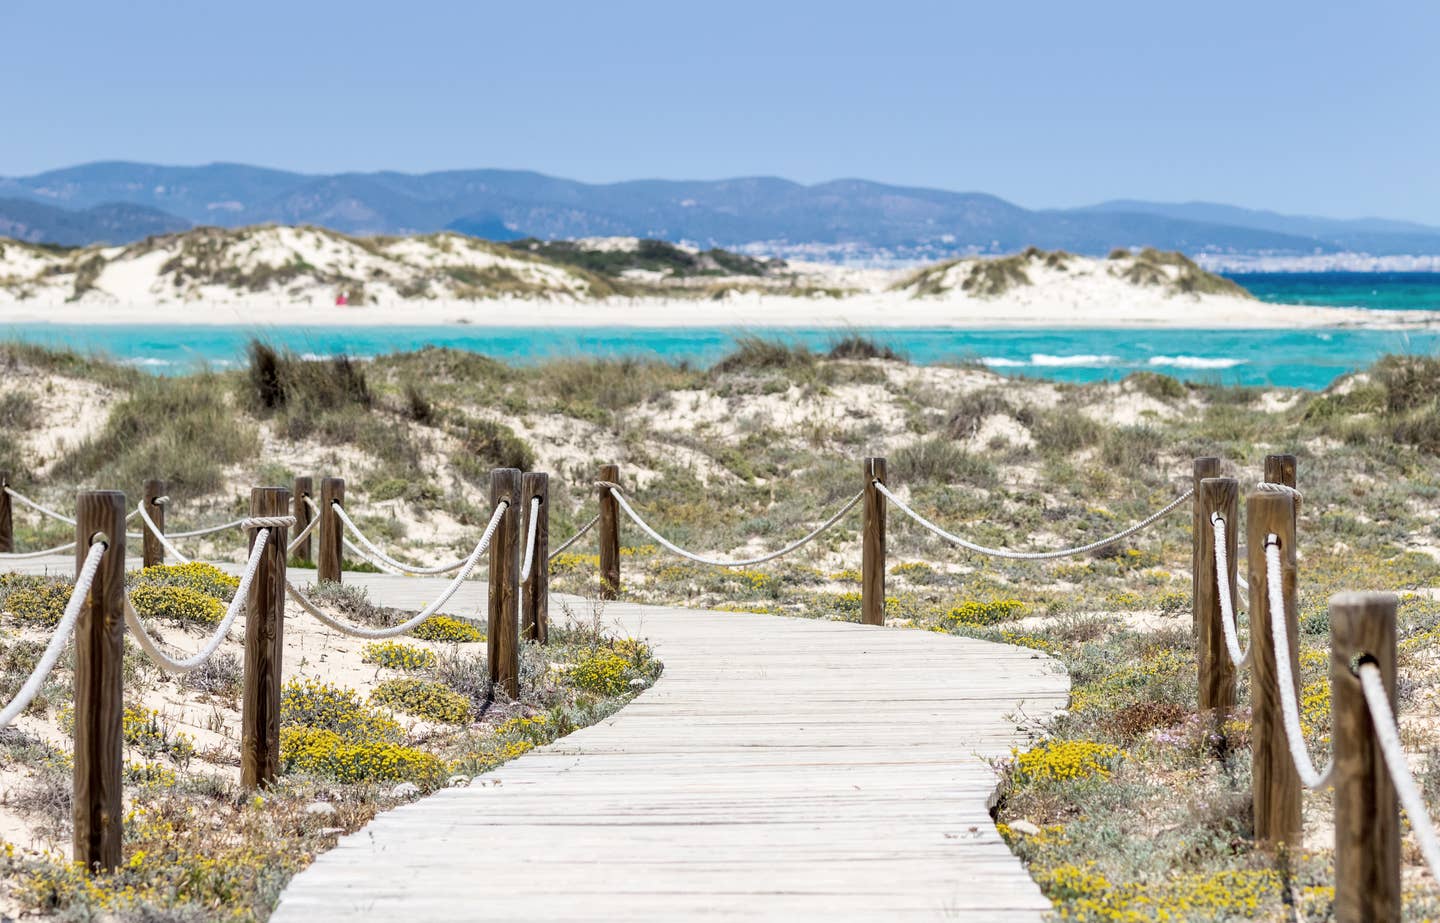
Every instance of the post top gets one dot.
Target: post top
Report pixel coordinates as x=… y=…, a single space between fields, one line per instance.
x=1364 y=599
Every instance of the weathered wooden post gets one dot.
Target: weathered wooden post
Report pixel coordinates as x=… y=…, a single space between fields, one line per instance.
x=264 y=643
x=99 y=684
x=1274 y=779
x=1217 y=672
x=1206 y=466
x=304 y=490
x=332 y=491
x=535 y=598
x=872 y=562
x=1367 y=815
x=152 y=552
x=503 y=624
x=609 y=535
x=7 y=516
x=1280 y=469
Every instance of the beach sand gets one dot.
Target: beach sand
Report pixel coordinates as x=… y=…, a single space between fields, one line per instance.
x=1023 y=310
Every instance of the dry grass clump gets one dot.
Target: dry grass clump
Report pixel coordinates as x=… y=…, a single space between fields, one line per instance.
x=753 y=354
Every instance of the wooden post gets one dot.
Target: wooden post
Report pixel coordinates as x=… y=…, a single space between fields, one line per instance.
x=99 y=683
x=1206 y=466
x=264 y=643
x=7 y=516
x=503 y=627
x=609 y=535
x=1280 y=469
x=304 y=490
x=872 y=540
x=1367 y=815
x=535 y=599
x=1275 y=781
x=1217 y=672
x=152 y=552
x=332 y=491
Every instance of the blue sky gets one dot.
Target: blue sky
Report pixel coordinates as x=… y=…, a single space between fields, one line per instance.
x=1301 y=107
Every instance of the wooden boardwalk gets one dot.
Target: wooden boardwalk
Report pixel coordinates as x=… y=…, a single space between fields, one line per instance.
x=783 y=769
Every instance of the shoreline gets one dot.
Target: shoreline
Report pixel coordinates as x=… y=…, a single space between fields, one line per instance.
x=867 y=311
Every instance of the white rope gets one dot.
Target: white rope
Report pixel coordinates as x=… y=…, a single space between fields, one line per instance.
x=1274 y=488
x=160 y=536
x=360 y=554
x=1227 y=608
x=411 y=624
x=299 y=540
x=17 y=555
x=530 y=540
x=59 y=639
x=1284 y=678
x=1387 y=732
x=45 y=510
x=574 y=538
x=237 y=602
x=380 y=557
x=716 y=562
x=1035 y=555
x=211 y=530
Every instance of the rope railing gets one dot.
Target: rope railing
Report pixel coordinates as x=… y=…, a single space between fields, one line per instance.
x=1271 y=656
x=532 y=531
x=719 y=562
x=1034 y=555
x=59 y=639
x=1240 y=658
x=237 y=603
x=1387 y=733
x=560 y=549
x=409 y=625
x=1284 y=679
x=378 y=557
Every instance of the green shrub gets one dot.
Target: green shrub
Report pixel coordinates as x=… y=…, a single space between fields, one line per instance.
x=40 y=604
x=486 y=444
x=445 y=628
x=200 y=577
x=315 y=704
x=603 y=672
x=423 y=699
x=937 y=460
x=855 y=346
x=177 y=603
x=399 y=656
x=318 y=752
x=752 y=354
x=988 y=612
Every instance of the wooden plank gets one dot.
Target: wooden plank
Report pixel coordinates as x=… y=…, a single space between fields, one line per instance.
x=152 y=552
x=304 y=489
x=745 y=784
x=7 y=516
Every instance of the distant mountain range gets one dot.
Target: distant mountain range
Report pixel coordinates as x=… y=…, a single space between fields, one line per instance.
x=117 y=202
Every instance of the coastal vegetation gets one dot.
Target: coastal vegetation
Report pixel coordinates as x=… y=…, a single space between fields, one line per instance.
x=319 y=267
x=1125 y=806
x=991 y=277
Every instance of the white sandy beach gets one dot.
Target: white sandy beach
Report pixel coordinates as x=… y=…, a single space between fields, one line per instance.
x=743 y=311
x=295 y=276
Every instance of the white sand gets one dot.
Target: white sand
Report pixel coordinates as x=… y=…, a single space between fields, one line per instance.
x=274 y=276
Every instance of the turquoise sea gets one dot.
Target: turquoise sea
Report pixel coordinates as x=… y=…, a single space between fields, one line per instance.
x=1307 y=358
